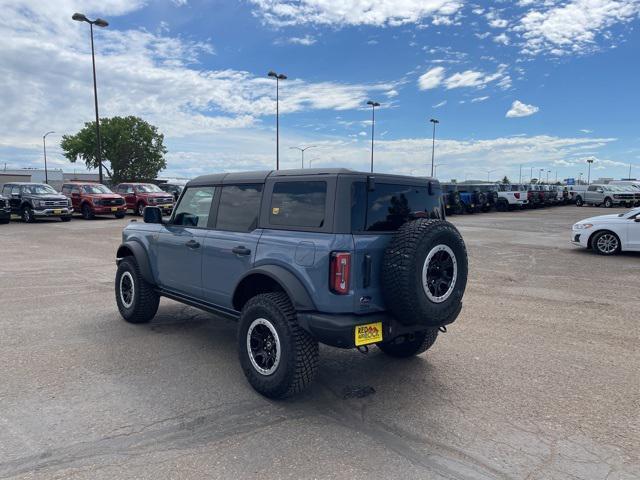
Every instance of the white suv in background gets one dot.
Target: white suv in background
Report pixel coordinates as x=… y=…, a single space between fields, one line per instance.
x=609 y=234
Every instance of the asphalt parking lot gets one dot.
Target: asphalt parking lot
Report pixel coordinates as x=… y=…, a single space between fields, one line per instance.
x=538 y=378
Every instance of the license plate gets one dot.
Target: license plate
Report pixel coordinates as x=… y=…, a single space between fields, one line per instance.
x=57 y=212
x=369 y=333
x=114 y=209
x=167 y=207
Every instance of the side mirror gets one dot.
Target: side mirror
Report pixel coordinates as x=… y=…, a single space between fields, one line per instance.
x=152 y=215
x=600 y=190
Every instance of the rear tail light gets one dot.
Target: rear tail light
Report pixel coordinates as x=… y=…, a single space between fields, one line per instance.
x=340 y=272
x=517 y=195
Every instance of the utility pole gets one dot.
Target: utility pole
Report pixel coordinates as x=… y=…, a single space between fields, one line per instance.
x=278 y=77
x=373 y=122
x=433 y=144
x=44 y=148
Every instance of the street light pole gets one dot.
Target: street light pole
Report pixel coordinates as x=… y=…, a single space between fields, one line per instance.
x=278 y=77
x=302 y=149
x=433 y=144
x=540 y=175
x=520 y=181
x=373 y=123
x=548 y=172
x=79 y=17
x=489 y=172
x=589 y=161
x=44 y=148
x=435 y=167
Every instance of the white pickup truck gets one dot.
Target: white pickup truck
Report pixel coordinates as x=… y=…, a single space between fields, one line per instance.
x=511 y=196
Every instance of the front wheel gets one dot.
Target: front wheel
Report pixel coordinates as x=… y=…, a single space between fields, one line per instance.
x=579 y=202
x=608 y=203
x=605 y=243
x=87 y=214
x=410 y=345
x=27 y=215
x=140 y=209
x=136 y=298
x=278 y=357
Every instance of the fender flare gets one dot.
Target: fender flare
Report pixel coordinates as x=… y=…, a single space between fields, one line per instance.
x=138 y=252
x=292 y=286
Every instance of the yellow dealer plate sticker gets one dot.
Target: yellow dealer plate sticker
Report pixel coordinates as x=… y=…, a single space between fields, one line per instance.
x=114 y=209
x=369 y=333
x=57 y=212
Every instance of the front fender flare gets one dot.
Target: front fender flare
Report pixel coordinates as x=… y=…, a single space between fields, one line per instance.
x=136 y=250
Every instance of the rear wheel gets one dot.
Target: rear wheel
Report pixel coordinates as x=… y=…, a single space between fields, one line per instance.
x=410 y=345
x=579 y=202
x=136 y=298
x=277 y=356
x=605 y=243
x=502 y=205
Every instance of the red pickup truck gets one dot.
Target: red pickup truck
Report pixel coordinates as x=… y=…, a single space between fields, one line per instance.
x=139 y=195
x=91 y=199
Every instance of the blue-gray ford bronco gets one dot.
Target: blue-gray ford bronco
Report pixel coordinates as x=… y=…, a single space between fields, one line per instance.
x=301 y=257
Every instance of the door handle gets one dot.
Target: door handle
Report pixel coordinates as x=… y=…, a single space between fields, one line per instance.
x=241 y=250
x=192 y=244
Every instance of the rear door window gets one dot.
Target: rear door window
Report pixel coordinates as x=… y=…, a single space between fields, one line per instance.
x=239 y=207
x=298 y=204
x=388 y=207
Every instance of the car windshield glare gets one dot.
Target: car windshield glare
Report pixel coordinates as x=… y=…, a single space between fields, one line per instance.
x=40 y=189
x=148 y=188
x=95 y=189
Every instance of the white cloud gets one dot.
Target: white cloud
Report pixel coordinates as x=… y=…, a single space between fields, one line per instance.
x=573 y=27
x=478 y=79
x=503 y=39
x=431 y=79
x=519 y=109
x=479 y=99
x=353 y=12
x=391 y=93
x=586 y=130
x=441 y=104
x=306 y=40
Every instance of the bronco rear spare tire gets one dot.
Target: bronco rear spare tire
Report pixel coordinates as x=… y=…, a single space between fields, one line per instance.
x=424 y=273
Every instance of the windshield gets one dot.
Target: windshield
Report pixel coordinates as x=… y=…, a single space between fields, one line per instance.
x=40 y=189
x=148 y=188
x=95 y=189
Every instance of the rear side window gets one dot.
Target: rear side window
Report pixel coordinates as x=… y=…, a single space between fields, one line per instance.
x=239 y=208
x=298 y=204
x=389 y=206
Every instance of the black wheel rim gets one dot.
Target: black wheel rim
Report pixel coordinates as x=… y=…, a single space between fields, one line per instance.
x=263 y=345
x=127 y=289
x=439 y=273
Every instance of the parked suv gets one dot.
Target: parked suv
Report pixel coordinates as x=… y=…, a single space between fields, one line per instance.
x=92 y=199
x=605 y=195
x=301 y=257
x=140 y=195
x=5 y=209
x=33 y=200
x=174 y=188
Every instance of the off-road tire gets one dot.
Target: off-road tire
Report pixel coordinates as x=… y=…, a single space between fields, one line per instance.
x=145 y=299
x=87 y=214
x=579 y=202
x=402 y=273
x=26 y=214
x=596 y=248
x=410 y=345
x=502 y=205
x=298 y=350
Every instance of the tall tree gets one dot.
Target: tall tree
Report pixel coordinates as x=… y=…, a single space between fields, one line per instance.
x=134 y=148
x=505 y=180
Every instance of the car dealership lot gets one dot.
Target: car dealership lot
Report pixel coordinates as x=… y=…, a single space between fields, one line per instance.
x=537 y=379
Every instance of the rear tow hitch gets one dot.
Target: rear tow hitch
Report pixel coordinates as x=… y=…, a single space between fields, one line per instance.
x=363 y=349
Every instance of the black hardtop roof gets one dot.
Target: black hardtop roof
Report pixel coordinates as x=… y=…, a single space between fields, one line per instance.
x=262 y=175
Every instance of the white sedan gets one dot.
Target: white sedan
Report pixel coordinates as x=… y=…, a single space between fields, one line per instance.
x=609 y=234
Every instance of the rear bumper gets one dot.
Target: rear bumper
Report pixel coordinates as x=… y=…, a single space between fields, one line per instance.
x=339 y=330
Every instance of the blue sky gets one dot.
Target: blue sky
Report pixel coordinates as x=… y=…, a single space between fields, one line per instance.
x=542 y=84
